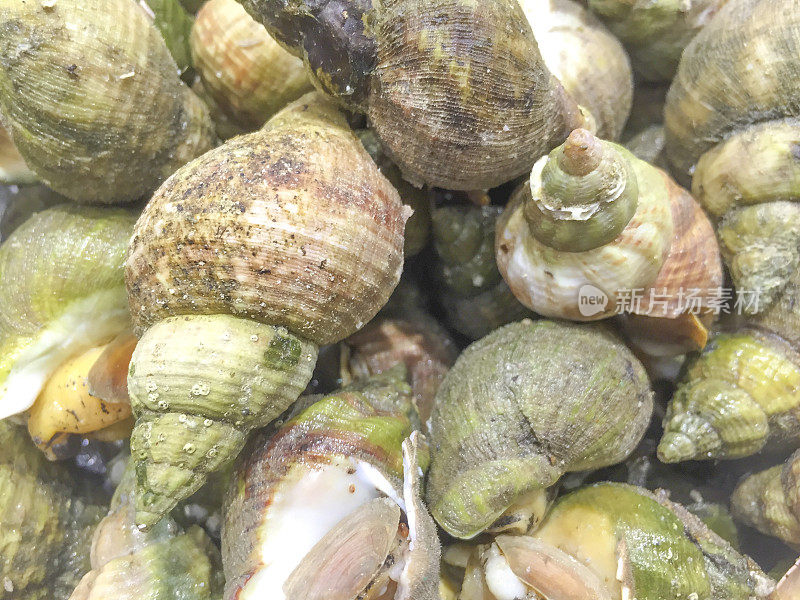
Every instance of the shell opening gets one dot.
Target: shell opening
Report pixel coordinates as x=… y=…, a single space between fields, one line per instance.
x=582 y=195
x=302 y=513
x=86 y=323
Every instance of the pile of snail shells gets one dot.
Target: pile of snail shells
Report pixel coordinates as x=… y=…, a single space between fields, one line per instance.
x=400 y=299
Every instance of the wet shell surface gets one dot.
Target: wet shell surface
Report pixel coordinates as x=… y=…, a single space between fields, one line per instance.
x=63 y=293
x=249 y=75
x=337 y=470
x=198 y=385
x=507 y=421
x=450 y=112
x=740 y=69
x=92 y=98
x=261 y=228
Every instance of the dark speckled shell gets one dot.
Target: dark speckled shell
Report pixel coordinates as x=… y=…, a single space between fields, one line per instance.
x=291 y=226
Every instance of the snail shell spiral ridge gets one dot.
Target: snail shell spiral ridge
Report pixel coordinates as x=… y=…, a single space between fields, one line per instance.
x=506 y=421
x=97 y=111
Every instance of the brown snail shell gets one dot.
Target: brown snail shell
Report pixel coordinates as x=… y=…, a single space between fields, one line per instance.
x=262 y=228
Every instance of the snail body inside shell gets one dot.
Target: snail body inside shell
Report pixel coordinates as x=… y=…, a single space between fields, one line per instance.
x=62 y=294
x=332 y=521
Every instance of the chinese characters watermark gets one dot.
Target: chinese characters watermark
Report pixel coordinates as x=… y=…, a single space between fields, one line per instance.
x=643 y=301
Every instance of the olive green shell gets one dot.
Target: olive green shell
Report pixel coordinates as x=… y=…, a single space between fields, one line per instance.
x=63 y=291
x=198 y=386
x=656 y=32
x=164 y=563
x=770 y=501
x=246 y=72
x=18 y=203
x=92 y=98
x=366 y=422
x=262 y=228
x=475 y=298
x=718 y=90
x=522 y=406
x=664 y=551
x=45 y=529
x=742 y=394
x=741 y=152
x=738 y=397
x=457 y=91
x=175 y=25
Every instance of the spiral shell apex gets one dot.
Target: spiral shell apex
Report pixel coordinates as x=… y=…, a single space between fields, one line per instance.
x=594 y=217
x=740 y=396
x=194 y=413
x=507 y=421
x=128 y=563
x=246 y=260
x=97 y=110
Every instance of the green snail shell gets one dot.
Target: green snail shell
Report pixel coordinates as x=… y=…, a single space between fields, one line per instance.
x=193 y=412
x=741 y=154
x=655 y=33
x=165 y=562
x=508 y=420
x=656 y=548
x=717 y=92
x=334 y=458
x=596 y=223
x=737 y=398
x=740 y=396
x=473 y=294
x=63 y=291
x=45 y=527
x=456 y=91
x=609 y=541
x=750 y=183
x=92 y=98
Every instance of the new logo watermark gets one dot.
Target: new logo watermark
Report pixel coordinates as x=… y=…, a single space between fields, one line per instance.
x=591 y=300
